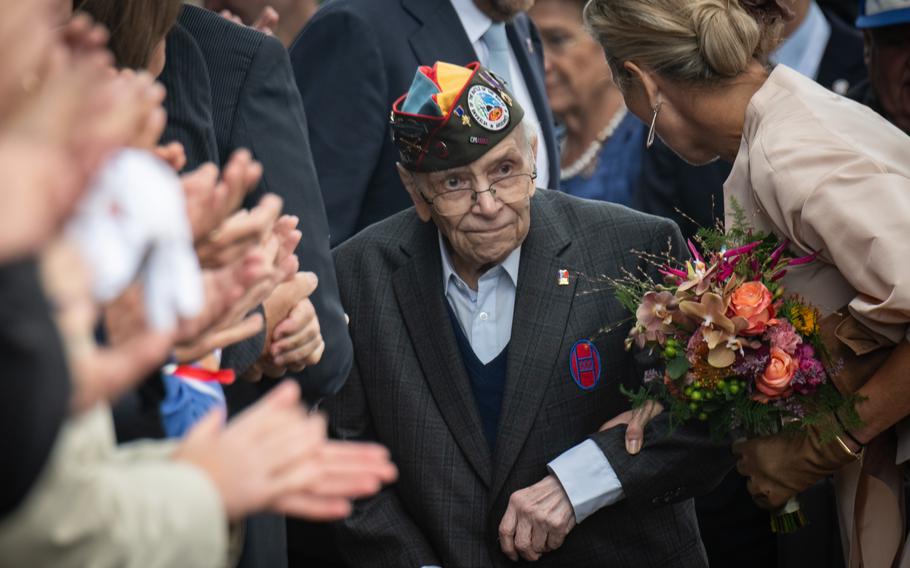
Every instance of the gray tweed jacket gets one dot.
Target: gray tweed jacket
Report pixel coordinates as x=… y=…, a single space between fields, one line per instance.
x=409 y=390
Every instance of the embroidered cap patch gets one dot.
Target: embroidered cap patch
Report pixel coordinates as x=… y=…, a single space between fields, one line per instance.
x=487 y=108
x=584 y=364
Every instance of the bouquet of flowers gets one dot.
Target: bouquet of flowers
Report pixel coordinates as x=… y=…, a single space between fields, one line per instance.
x=732 y=348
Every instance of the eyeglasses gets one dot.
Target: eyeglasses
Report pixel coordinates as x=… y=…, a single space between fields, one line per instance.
x=456 y=202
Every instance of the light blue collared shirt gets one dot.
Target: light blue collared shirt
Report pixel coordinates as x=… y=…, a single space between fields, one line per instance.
x=485 y=316
x=804 y=49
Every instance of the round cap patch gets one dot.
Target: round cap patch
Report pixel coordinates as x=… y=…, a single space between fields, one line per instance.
x=487 y=108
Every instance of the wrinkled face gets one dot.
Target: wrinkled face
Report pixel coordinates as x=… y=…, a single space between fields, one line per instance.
x=502 y=10
x=675 y=125
x=576 y=70
x=490 y=230
x=889 y=71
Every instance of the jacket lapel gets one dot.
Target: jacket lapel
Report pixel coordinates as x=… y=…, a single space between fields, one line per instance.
x=441 y=36
x=417 y=285
x=542 y=309
x=526 y=48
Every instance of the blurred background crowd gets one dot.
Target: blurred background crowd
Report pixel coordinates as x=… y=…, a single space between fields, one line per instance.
x=176 y=175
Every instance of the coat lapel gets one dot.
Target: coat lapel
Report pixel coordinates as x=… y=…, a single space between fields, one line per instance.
x=417 y=285
x=542 y=309
x=526 y=49
x=441 y=36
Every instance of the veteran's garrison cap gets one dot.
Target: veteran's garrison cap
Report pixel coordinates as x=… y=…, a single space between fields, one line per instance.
x=451 y=116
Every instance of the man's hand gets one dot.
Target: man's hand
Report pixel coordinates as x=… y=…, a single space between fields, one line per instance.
x=240 y=232
x=173 y=154
x=636 y=420
x=295 y=340
x=99 y=373
x=210 y=201
x=537 y=520
x=274 y=456
x=253 y=461
x=339 y=472
x=273 y=262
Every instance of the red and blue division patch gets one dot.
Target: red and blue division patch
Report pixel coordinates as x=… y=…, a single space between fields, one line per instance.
x=584 y=364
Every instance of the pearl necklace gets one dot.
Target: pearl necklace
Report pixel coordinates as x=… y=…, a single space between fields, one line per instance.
x=590 y=154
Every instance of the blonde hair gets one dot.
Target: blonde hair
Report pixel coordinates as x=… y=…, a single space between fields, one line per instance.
x=690 y=41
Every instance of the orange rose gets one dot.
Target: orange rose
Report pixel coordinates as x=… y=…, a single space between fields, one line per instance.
x=753 y=302
x=775 y=381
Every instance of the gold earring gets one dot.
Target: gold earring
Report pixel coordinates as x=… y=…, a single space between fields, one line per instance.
x=650 y=141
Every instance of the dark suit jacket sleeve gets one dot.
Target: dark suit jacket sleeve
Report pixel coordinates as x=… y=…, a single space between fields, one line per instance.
x=35 y=389
x=271 y=122
x=674 y=464
x=379 y=532
x=337 y=59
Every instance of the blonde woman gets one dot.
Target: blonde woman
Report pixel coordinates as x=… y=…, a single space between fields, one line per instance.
x=828 y=174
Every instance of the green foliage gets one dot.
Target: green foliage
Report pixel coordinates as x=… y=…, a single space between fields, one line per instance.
x=637 y=398
x=711 y=239
x=678 y=367
x=630 y=292
x=740 y=232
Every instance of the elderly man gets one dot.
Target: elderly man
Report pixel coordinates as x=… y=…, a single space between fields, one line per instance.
x=886 y=31
x=482 y=359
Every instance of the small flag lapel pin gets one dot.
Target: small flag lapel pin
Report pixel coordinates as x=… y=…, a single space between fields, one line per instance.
x=563 y=278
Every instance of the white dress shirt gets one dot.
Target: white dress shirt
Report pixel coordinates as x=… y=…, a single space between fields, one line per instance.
x=475 y=24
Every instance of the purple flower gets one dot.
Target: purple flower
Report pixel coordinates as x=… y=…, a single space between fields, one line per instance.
x=651 y=376
x=784 y=336
x=811 y=373
x=742 y=250
x=803 y=259
x=805 y=351
x=694 y=250
x=775 y=256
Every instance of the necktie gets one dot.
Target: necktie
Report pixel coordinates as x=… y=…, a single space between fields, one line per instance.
x=498 y=45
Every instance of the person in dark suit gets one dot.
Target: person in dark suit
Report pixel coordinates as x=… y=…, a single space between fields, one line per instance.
x=374 y=46
x=886 y=34
x=466 y=330
x=693 y=195
x=232 y=87
x=255 y=105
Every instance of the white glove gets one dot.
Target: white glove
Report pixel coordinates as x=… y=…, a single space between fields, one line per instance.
x=134 y=220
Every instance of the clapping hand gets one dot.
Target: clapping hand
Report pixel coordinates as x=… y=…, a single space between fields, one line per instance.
x=274 y=456
x=99 y=373
x=295 y=340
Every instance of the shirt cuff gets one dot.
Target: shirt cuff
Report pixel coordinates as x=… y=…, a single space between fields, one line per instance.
x=587 y=478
